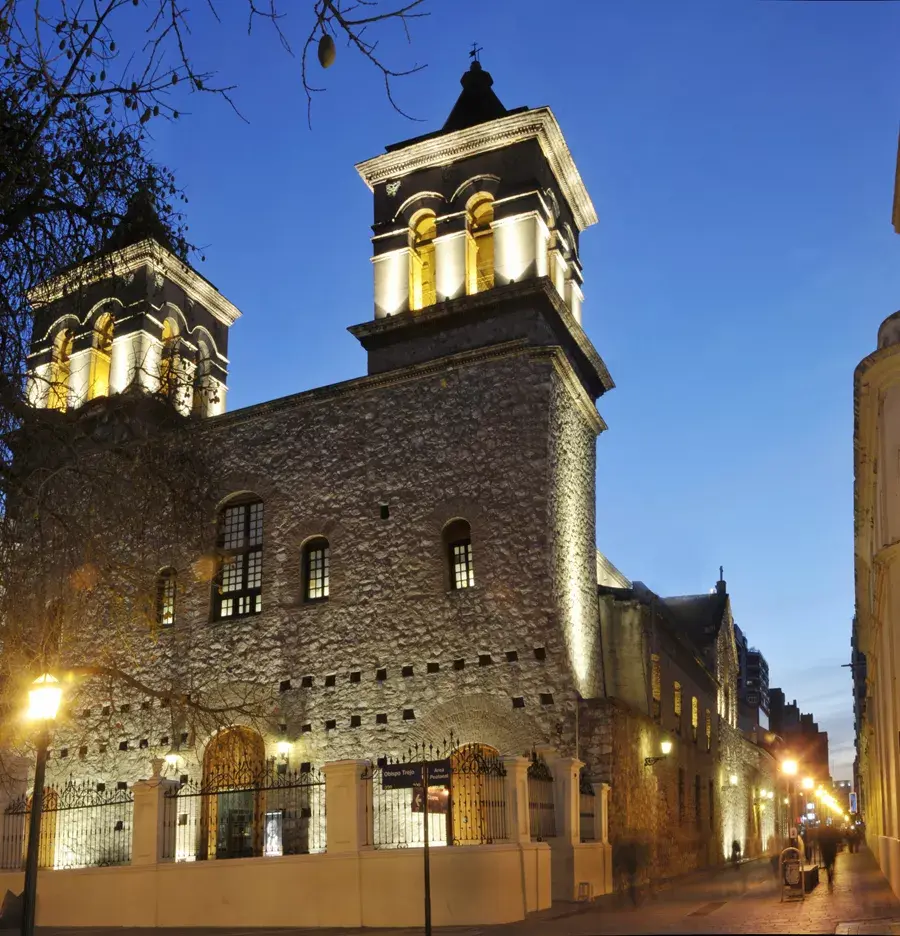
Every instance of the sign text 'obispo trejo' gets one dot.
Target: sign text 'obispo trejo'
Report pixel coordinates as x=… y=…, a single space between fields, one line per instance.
x=403 y=776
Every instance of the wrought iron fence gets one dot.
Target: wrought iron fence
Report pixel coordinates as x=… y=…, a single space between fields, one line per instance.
x=587 y=801
x=541 y=804
x=83 y=825
x=471 y=810
x=242 y=812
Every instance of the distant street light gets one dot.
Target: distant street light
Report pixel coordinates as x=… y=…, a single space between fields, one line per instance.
x=789 y=767
x=808 y=783
x=44 y=699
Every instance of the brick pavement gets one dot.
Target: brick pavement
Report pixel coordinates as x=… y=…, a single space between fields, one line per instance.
x=744 y=901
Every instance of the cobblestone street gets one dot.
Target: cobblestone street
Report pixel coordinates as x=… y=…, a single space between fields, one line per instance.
x=746 y=901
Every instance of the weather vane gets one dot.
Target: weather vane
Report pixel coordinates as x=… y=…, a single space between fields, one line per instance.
x=473 y=52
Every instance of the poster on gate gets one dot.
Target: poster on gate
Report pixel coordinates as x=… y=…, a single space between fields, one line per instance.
x=438 y=799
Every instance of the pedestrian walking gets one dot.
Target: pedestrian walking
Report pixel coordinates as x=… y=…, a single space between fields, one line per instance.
x=828 y=845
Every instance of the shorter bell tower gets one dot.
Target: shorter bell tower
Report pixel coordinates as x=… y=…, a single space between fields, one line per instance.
x=134 y=317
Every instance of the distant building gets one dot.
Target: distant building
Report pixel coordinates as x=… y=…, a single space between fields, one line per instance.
x=801 y=736
x=858 y=672
x=753 y=685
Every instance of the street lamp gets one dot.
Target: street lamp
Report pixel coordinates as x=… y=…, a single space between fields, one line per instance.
x=808 y=783
x=789 y=769
x=44 y=698
x=665 y=748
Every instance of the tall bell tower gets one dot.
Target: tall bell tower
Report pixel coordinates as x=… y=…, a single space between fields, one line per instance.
x=476 y=237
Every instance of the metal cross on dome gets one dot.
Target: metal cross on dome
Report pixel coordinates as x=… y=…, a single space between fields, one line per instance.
x=474 y=51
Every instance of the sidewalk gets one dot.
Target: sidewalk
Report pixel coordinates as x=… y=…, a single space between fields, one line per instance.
x=729 y=901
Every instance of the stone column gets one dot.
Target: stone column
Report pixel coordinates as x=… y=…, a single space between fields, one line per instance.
x=348 y=805
x=518 y=826
x=567 y=798
x=604 y=812
x=151 y=837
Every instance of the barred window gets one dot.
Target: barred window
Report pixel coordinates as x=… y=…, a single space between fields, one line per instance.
x=695 y=717
x=316 y=566
x=165 y=597
x=708 y=730
x=676 y=698
x=656 y=685
x=238 y=589
x=458 y=542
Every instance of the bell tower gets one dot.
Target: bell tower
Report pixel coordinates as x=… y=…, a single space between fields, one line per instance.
x=476 y=237
x=133 y=317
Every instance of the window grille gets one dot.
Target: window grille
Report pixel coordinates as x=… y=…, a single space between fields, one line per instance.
x=238 y=590
x=677 y=698
x=317 y=569
x=461 y=564
x=708 y=730
x=695 y=717
x=165 y=598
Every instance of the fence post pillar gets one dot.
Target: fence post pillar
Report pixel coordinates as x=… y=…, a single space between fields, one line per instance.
x=604 y=813
x=346 y=795
x=148 y=829
x=518 y=825
x=567 y=798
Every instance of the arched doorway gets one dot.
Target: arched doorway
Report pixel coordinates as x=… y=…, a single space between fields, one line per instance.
x=478 y=811
x=233 y=804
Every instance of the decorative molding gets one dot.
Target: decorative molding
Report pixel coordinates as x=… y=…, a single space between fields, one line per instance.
x=539 y=124
x=122 y=262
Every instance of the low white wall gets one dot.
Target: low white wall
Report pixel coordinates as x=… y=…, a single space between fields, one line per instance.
x=586 y=862
x=477 y=885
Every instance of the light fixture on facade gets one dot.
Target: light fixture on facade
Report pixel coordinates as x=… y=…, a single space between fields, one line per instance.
x=787 y=802
x=733 y=780
x=283 y=748
x=665 y=747
x=789 y=767
x=173 y=755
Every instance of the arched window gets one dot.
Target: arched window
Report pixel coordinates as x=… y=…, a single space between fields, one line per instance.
x=233 y=814
x=656 y=685
x=708 y=730
x=60 y=367
x=422 y=290
x=101 y=357
x=202 y=387
x=316 y=563
x=458 y=544
x=165 y=597
x=480 y=244
x=168 y=359
x=238 y=587
x=695 y=717
x=676 y=698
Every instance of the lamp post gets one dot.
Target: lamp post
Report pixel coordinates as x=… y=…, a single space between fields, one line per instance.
x=43 y=704
x=665 y=748
x=789 y=769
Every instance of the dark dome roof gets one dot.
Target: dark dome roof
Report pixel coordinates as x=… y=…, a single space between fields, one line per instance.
x=477 y=103
x=139 y=222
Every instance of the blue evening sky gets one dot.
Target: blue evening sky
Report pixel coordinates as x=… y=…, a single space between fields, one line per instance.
x=741 y=158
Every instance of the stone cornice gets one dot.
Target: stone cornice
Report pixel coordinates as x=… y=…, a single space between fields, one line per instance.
x=128 y=259
x=539 y=124
x=451 y=308
x=373 y=382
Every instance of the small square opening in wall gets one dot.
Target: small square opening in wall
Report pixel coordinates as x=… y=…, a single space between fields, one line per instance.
x=518 y=702
x=381 y=674
x=121 y=785
x=381 y=718
x=125 y=708
x=281 y=768
x=381 y=762
x=145 y=705
x=164 y=739
x=101 y=749
x=546 y=698
x=183 y=778
x=184 y=737
x=434 y=667
x=512 y=656
x=355 y=721
x=101 y=787
x=485 y=659
x=407 y=671
x=540 y=653
x=64 y=752
x=355 y=676
x=105 y=710
x=306 y=682
x=306 y=729
x=330 y=680
x=284 y=685
x=282 y=728
x=123 y=745
x=164 y=703
x=409 y=714
x=330 y=725
x=459 y=664
x=143 y=744
x=82 y=751
x=385 y=511
x=86 y=713
x=306 y=767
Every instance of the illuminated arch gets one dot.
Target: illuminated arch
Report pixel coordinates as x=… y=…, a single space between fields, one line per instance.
x=60 y=371
x=479 y=805
x=101 y=356
x=422 y=232
x=480 y=243
x=168 y=359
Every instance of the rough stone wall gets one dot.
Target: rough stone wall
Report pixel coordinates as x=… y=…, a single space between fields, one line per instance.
x=491 y=437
